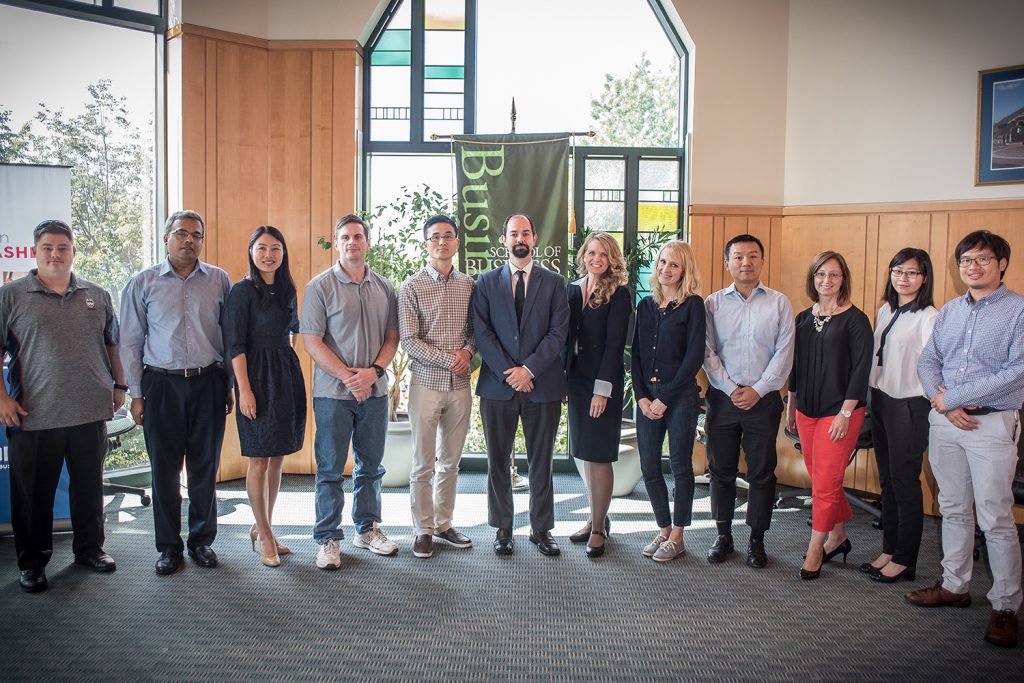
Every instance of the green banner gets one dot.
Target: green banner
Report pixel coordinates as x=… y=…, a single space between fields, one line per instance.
x=499 y=175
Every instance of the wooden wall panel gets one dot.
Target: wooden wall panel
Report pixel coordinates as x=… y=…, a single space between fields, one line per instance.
x=867 y=236
x=259 y=146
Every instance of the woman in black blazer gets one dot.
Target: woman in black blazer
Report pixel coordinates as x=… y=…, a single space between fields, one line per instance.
x=599 y=309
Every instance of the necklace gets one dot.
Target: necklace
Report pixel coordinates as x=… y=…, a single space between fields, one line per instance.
x=819 y=323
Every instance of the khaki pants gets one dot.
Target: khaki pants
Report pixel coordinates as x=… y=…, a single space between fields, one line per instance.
x=975 y=468
x=440 y=420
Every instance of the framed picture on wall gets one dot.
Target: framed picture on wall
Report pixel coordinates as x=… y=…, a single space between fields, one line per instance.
x=1000 y=157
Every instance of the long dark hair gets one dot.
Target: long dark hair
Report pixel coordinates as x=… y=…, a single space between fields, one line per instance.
x=282 y=276
x=924 y=297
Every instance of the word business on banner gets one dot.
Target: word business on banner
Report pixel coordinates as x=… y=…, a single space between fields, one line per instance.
x=499 y=175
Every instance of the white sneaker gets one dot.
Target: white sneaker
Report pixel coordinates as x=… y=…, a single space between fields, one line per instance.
x=375 y=540
x=329 y=555
x=519 y=482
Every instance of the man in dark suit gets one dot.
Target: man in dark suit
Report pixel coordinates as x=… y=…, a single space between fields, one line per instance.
x=521 y=319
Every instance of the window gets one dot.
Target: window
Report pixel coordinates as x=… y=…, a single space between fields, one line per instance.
x=88 y=94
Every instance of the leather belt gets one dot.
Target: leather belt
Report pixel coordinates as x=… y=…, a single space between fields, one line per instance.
x=980 y=410
x=187 y=372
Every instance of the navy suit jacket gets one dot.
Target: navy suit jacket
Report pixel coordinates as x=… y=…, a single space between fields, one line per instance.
x=537 y=343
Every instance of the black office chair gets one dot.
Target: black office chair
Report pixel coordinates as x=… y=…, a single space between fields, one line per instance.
x=864 y=442
x=117 y=426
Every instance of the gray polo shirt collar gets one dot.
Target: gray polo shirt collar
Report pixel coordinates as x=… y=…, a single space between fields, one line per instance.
x=343 y=277
x=34 y=285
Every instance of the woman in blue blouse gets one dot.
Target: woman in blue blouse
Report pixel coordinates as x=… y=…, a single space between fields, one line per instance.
x=668 y=349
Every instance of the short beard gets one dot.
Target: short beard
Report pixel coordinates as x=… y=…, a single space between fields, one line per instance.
x=520 y=251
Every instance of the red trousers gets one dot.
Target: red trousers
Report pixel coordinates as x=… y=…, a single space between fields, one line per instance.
x=826 y=462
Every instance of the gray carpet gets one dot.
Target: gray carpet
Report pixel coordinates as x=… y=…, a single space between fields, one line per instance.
x=469 y=615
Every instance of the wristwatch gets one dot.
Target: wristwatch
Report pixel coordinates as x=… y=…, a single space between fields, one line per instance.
x=121 y=387
x=379 y=369
x=846 y=413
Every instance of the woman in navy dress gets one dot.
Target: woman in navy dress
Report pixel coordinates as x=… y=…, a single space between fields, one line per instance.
x=599 y=309
x=270 y=392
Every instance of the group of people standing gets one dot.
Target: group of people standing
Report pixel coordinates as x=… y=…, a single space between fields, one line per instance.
x=954 y=380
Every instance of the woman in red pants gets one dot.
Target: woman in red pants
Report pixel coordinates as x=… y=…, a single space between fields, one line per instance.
x=827 y=393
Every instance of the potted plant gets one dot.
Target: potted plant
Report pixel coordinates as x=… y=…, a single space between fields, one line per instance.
x=396 y=253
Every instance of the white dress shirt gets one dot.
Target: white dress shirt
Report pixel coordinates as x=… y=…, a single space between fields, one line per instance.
x=897 y=376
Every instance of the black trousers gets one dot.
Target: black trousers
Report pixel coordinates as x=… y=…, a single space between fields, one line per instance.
x=728 y=428
x=540 y=422
x=899 y=430
x=36 y=458
x=183 y=423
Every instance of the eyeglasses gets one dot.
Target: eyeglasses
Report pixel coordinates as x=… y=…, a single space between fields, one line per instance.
x=185 y=234
x=828 y=276
x=447 y=237
x=982 y=260
x=909 y=274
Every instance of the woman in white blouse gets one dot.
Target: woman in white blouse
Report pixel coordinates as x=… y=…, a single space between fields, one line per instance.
x=899 y=411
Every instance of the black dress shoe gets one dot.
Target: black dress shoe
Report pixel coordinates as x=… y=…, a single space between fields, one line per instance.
x=756 y=556
x=33 y=580
x=204 y=556
x=97 y=560
x=170 y=561
x=545 y=542
x=721 y=549
x=908 y=574
x=503 y=543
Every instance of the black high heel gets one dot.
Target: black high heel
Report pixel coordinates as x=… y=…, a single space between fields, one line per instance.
x=594 y=551
x=583 y=535
x=845 y=547
x=810 y=575
x=908 y=574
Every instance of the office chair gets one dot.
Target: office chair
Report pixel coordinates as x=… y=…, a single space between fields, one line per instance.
x=118 y=426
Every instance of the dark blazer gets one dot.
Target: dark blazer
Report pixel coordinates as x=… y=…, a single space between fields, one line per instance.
x=537 y=343
x=605 y=328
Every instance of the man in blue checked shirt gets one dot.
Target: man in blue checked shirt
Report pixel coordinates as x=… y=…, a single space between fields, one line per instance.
x=972 y=370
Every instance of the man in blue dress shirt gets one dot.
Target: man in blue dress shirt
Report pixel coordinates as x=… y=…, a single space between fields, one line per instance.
x=172 y=349
x=972 y=370
x=748 y=357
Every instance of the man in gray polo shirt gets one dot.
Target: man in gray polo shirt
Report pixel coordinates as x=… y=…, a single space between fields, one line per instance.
x=350 y=329
x=65 y=381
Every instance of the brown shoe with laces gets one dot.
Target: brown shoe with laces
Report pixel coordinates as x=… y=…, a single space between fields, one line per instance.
x=937 y=596
x=1002 y=628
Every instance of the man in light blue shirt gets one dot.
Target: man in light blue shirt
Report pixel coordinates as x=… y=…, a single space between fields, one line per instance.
x=748 y=358
x=972 y=370
x=172 y=349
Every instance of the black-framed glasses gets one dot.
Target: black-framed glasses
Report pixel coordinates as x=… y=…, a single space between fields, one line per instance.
x=909 y=274
x=447 y=237
x=981 y=260
x=185 y=234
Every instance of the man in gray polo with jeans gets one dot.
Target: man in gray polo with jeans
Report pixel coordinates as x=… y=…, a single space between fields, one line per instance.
x=350 y=329
x=65 y=380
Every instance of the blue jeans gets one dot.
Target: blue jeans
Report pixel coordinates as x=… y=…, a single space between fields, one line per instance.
x=338 y=423
x=680 y=420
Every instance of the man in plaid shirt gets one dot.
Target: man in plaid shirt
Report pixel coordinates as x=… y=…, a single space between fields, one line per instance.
x=436 y=330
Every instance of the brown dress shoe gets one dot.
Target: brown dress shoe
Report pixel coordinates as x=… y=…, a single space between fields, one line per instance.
x=1002 y=628
x=937 y=596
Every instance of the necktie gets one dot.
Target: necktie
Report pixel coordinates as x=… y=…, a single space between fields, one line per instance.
x=520 y=295
x=885 y=332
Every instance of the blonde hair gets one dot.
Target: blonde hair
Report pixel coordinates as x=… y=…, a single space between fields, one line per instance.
x=613 y=278
x=689 y=284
